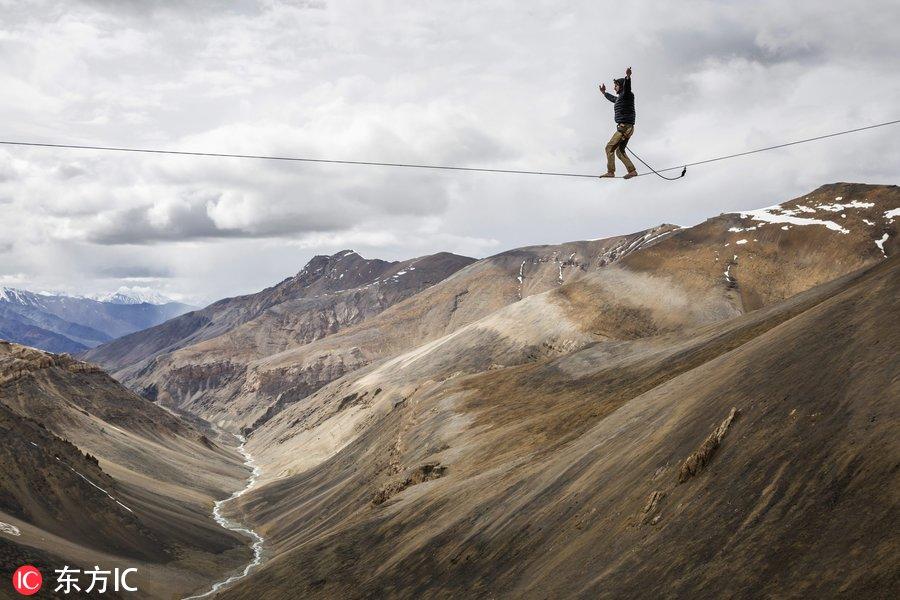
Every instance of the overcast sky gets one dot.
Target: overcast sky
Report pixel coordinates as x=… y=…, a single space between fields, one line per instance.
x=509 y=84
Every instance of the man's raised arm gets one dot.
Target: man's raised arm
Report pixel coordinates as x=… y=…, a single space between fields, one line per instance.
x=626 y=86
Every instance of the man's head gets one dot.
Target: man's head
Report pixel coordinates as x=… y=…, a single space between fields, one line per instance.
x=618 y=84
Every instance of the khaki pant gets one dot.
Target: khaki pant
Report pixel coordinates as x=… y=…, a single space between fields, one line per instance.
x=616 y=147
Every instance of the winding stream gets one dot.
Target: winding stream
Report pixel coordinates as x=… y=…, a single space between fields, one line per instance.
x=238 y=527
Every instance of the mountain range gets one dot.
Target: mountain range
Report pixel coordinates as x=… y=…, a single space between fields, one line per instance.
x=704 y=411
x=64 y=323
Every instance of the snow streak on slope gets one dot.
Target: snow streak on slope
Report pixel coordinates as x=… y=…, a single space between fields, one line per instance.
x=9 y=529
x=788 y=216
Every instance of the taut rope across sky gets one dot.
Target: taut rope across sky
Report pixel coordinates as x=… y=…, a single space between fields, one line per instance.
x=420 y=166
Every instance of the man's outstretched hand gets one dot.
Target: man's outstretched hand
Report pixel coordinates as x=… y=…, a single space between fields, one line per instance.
x=603 y=88
x=628 y=72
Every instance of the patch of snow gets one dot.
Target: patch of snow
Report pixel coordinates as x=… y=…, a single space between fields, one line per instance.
x=839 y=207
x=9 y=529
x=868 y=222
x=800 y=208
x=656 y=237
x=521 y=276
x=560 y=272
x=764 y=214
x=785 y=227
x=880 y=244
x=400 y=273
x=741 y=242
x=740 y=229
x=99 y=488
x=890 y=214
x=635 y=244
x=839 y=198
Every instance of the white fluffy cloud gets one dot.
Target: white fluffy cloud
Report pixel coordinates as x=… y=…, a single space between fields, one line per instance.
x=499 y=84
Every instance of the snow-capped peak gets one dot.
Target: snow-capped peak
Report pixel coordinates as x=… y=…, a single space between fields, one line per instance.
x=132 y=295
x=16 y=296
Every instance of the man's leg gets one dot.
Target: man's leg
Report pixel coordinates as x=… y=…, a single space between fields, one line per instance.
x=620 y=149
x=611 y=152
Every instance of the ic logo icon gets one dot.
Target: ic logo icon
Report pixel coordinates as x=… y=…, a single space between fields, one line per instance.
x=27 y=580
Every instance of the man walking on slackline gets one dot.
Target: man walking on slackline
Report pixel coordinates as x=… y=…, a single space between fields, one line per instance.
x=623 y=109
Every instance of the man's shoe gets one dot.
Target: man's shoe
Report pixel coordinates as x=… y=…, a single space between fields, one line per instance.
x=610 y=174
x=630 y=174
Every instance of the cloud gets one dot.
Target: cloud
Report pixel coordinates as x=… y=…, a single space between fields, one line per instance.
x=133 y=272
x=498 y=84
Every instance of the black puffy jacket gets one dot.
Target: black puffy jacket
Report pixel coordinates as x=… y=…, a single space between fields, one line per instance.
x=623 y=104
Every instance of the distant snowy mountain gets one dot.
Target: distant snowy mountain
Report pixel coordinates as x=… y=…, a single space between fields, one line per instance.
x=20 y=297
x=132 y=295
x=63 y=323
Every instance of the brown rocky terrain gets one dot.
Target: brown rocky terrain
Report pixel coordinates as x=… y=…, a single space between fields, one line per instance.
x=330 y=293
x=244 y=376
x=555 y=446
x=91 y=473
x=752 y=457
x=680 y=280
x=681 y=412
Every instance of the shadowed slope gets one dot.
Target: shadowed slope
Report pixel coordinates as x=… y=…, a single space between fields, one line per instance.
x=563 y=477
x=134 y=487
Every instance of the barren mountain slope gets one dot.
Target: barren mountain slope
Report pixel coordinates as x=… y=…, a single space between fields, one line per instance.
x=327 y=287
x=702 y=274
x=648 y=293
x=242 y=378
x=134 y=487
x=769 y=254
x=725 y=266
x=750 y=457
